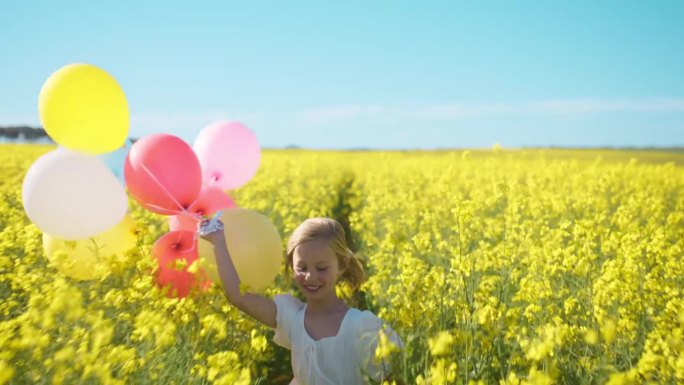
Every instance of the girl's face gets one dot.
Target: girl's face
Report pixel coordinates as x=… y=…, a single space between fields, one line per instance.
x=315 y=269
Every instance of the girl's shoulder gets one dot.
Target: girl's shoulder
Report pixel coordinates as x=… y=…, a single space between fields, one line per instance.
x=288 y=301
x=365 y=321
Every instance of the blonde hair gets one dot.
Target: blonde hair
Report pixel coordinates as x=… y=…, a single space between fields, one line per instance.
x=333 y=232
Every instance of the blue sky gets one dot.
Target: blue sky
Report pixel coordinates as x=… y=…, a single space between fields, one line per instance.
x=372 y=74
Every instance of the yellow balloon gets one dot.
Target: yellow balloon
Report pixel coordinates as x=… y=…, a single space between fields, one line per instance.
x=85 y=259
x=83 y=108
x=254 y=246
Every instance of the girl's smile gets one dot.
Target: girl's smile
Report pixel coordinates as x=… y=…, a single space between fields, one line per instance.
x=312 y=289
x=316 y=269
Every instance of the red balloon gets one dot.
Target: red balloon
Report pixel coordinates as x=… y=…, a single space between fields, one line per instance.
x=211 y=200
x=170 y=250
x=163 y=174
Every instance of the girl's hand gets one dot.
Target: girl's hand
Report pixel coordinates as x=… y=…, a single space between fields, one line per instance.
x=214 y=234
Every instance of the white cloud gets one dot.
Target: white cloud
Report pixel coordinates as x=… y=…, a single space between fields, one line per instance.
x=456 y=111
x=152 y=122
x=345 y=112
x=581 y=106
x=8 y=118
x=191 y=122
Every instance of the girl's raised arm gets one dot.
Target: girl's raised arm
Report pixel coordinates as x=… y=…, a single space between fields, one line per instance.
x=259 y=307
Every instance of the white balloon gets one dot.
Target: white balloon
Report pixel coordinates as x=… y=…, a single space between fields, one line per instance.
x=72 y=196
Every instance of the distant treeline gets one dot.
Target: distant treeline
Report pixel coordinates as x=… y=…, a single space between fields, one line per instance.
x=29 y=134
x=22 y=132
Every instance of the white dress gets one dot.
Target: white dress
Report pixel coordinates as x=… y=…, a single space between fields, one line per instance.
x=343 y=359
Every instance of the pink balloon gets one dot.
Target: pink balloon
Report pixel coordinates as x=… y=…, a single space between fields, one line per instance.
x=229 y=154
x=211 y=200
x=182 y=222
x=170 y=249
x=163 y=174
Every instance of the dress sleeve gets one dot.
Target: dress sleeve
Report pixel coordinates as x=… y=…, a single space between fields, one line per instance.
x=286 y=308
x=368 y=330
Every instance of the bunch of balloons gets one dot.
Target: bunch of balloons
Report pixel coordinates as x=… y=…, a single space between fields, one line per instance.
x=187 y=184
x=76 y=197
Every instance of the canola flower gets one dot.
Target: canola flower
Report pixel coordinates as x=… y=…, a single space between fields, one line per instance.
x=495 y=267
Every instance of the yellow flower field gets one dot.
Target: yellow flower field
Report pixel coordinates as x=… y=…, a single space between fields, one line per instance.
x=495 y=267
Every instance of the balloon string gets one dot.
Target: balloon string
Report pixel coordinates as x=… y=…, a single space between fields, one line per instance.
x=195 y=237
x=183 y=209
x=164 y=209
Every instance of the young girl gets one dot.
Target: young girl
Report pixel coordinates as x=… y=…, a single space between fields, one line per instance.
x=331 y=343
